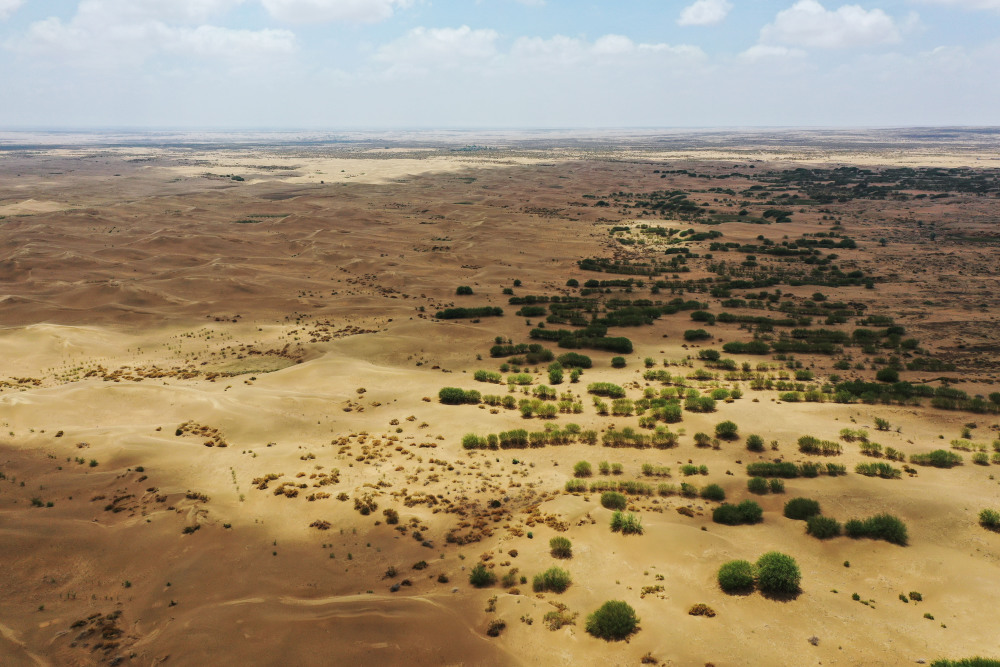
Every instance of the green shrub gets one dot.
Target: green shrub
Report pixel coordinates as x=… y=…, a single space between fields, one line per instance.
x=456 y=396
x=801 y=508
x=614 y=620
x=576 y=486
x=726 y=430
x=696 y=334
x=606 y=389
x=757 y=485
x=879 y=527
x=784 y=469
x=939 y=458
x=778 y=574
x=713 y=492
x=967 y=662
x=755 y=443
x=736 y=576
x=613 y=500
x=880 y=469
x=575 y=360
x=822 y=527
x=777 y=486
x=582 y=469
x=618 y=362
x=626 y=524
x=480 y=577
x=746 y=512
x=554 y=579
x=464 y=290
x=990 y=519
x=560 y=547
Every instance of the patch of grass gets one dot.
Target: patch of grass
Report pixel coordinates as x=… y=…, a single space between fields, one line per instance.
x=480 y=577
x=626 y=523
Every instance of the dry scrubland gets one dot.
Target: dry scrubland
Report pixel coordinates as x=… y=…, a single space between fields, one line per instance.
x=225 y=442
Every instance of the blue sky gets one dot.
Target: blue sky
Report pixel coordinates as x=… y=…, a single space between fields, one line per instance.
x=497 y=63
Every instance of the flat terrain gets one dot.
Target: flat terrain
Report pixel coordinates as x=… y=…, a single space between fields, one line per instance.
x=222 y=440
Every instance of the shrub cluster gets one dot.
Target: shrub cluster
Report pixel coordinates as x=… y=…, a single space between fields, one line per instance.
x=746 y=512
x=626 y=523
x=939 y=458
x=810 y=445
x=461 y=313
x=613 y=500
x=560 y=547
x=789 y=470
x=879 y=527
x=554 y=579
x=801 y=508
x=990 y=520
x=822 y=527
x=456 y=396
x=774 y=574
x=883 y=470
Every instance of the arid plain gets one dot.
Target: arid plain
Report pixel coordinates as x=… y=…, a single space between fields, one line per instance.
x=224 y=441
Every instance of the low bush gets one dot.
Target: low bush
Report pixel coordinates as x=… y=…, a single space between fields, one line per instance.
x=777 y=574
x=726 y=430
x=560 y=547
x=713 y=492
x=967 y=662
x=990 y=519
x=582 y=469
x=883 y=470
x=456 y=396
x=626 y=523
x=801 y=508
x=554 y=579
x=757 y=485
x=615 y=620
x=606 y=389
x=746 y=512
x=822 y=527
x=755 y=443
x=736 y=576
x=480 y=577
x=618 y=362
x=879 y=527
x=613 y=500
x=777 y=486
x=939 y=458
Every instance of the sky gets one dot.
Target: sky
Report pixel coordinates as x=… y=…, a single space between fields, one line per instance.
x=411 y=64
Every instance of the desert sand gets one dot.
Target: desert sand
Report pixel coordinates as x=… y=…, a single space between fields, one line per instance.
x=181 y=321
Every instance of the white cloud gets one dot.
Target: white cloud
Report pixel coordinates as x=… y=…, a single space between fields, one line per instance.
x=316 y=11
x=100 y=36
x=760 y=52
x=8 y=7
x=132 y=11
x=966 y=4
x=568 y=50
x=440 y=45
x=705 y=12
x=807 y=23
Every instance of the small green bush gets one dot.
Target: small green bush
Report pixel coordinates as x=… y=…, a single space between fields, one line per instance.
x=736 y=576
x=560 y=547
x=480 y=577
x=582 y=469
x=613 y=500
x=757 y=485
x=626 y=524
x=614 y=620
x=713 y=492
x=755 y=443
x=618 y=362
x=822 y=527
x=966 y=662
x=554 y=579
x=778 y=574
x=801 y=508
x=777 y=486
x=726 y=430
x=990 y=519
